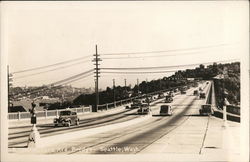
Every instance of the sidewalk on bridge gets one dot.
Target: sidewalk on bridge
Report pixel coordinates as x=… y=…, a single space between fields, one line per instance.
x=204 y=139
x=222 y=142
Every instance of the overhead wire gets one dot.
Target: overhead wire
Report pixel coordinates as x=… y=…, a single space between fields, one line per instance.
x=137 y=72
x=162 y=67
x=51 y=65
x=58 y=68
x=164 y=51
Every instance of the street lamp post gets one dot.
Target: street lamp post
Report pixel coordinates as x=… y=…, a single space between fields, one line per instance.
x=224 y=100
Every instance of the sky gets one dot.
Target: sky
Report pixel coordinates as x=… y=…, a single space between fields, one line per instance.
x=42 y=33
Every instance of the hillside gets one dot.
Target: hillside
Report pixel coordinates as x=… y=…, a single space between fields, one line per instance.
x=232 y=84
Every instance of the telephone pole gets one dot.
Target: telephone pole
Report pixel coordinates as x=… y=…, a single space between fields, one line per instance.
x=9 y=80
x=138 y=86
x=97 y=72
x=114 y=88
x=125 y=81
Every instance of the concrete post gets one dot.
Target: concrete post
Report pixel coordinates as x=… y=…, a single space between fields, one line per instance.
x=114 y=104
x=57 y=113
x=107 y=106
x=225 y=113
x=82 y=109
x=19 y=115
x=46 y=113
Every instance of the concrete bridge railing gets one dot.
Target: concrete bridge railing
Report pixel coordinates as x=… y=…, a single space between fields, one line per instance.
x=46 y=113
x=233 y=112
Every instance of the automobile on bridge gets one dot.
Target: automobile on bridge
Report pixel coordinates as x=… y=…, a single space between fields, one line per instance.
x=202 y=95
x=144 y=109
x=160 y=95
x=67 y=118
x=136 y=104
x=196 y=92
x=168 y=99
x=183 y=92
x=206 y=110
x=166 y=110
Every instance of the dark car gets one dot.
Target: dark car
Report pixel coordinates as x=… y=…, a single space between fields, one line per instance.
x=183 y=92
x=67 y=118
x=196 y=92
x=166 y=110
x=203 y=95
x=168 y=99
x=206 y=110
x=160 y=95
x=136 y=104
x=144 y=109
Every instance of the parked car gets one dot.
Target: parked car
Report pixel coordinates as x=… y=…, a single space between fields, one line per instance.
x=166 y=110
x=144 y=109
x=67 y=118
x=206 y=110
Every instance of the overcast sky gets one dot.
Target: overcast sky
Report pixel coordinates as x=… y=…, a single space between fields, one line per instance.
x=44 y=33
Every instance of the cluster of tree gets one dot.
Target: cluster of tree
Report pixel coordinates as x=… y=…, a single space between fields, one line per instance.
x=120 y=93
x=231 y=84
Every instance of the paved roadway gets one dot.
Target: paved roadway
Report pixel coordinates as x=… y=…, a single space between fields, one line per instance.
x=157 y=134
x=17 y=137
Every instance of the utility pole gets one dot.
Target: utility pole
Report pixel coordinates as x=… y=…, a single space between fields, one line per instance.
x=9 y=77
x=114 y=89
x=125 y=82
x=138 y=86
x=97 y=72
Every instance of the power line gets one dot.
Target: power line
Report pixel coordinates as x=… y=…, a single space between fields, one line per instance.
x=51 y=65
x=85 y=76
x=134 y=57
x=137 y=72
x=164 y=51
x=163 y=67
x=58 y=68
x=73 y=77
x=142 y=57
